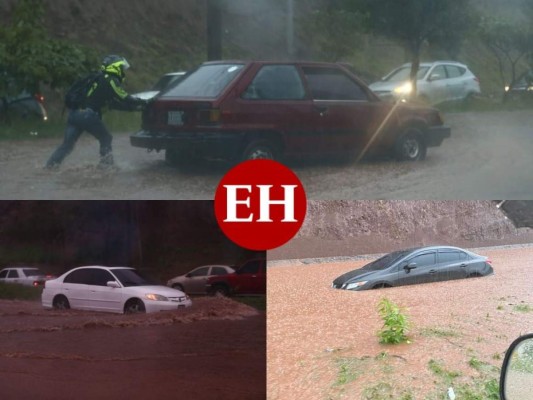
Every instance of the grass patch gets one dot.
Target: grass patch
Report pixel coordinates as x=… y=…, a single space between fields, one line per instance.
x=523 y=308
x=349 y=370
x=438 y=369
x=14 y=291
x=385 y=391
x=257 y=302
x=438 y=332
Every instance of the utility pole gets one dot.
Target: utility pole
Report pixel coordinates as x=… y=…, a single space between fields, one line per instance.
x=214 y=30
x=290 y=28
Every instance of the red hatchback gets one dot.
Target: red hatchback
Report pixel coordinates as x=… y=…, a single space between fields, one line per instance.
x=238 y=110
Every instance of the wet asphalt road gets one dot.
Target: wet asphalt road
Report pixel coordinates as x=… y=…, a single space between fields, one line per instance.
x=487 y=157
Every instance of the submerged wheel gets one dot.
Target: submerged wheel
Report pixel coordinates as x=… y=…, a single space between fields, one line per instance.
x=260 y=149
x=220 y=290
x=178 y=286
x=411 y=146
x=61 y=303
x=134 y=306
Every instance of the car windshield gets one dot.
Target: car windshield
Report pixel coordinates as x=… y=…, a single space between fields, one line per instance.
x=402 y=74
x=130 y=277
x=32 y=272
x=386 y=260
x=208 y=81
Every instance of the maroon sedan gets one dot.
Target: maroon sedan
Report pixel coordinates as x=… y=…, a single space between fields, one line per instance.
x=237 y=110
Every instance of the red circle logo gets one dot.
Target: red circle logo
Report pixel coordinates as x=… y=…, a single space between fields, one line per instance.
x=260 y=204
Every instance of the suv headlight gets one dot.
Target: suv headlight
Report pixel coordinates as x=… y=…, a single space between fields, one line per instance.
x=155 y=297
x=406 y=88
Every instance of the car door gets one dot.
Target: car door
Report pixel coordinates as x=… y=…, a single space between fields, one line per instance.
x=275 y=101
x=343 y=111
x=451 y=264
x=101 y=296
x=75 y=288
x=196 y=280
x=457 y=84
x=437 y=85
x=252 y=278
x=424 y=272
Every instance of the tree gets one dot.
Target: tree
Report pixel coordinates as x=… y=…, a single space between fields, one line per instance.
x=509 y=42
x=413 y=23
x=29 y=57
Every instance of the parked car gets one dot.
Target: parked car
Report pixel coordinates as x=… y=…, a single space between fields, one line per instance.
x=437 y=82
x=242 y=110
x=194 y=281
x=25 y=105
x=416 y=265
x=111 y=289
x=27 y=276
x=249 y=279
x=521 y=89
x=165 y=82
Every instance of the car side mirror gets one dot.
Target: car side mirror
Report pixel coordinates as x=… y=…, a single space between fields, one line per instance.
x=187 y=275
x=113 y=284
x=434 y=77
x=409 y=267
x=516 y=378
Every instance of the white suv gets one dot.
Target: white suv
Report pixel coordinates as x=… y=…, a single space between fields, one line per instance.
x=437 y=82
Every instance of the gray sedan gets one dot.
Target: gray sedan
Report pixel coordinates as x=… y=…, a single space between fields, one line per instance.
x=416 y=265
x=194 y=281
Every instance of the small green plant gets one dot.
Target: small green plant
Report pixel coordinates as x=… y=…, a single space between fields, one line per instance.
x=500 y=307
x=475 y=363
x=437 y=368
x=349 y=370
x=496 y=356
x=395 y=323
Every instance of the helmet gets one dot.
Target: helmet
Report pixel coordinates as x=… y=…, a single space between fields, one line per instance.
x=116 y=65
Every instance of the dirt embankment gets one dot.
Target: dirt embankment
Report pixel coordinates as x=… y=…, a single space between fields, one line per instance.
x=348 y=228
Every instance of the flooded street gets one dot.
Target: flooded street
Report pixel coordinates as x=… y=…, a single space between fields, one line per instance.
x=216 y=346
x=487 y=157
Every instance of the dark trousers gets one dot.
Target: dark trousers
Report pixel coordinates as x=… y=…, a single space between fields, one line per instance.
x=80 y=121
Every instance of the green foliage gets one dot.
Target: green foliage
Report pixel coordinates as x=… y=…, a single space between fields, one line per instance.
x=349 y=370
x=438 y=369
x=29 y=57
x=395 y=323
x=13 y=291
x=523 y=308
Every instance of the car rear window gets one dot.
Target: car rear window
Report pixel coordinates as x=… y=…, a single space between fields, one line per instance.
x=208 y=81
x=276 y=82
x=332 y=84
x=32 y=272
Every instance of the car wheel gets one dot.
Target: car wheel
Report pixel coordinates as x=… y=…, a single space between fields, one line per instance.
x=381 y=286
x=134 y=306
x=178 y=287
x=410 y=146
x=61 y=303
x=260 y=150
x=220 y=290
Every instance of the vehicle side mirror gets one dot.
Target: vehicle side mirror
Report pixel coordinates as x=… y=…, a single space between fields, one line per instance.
x=113 y=284
x=188 y=275
x=409 y=267
x=434 y=77
x=516 y=378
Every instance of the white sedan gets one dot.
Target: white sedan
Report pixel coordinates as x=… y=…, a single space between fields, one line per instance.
x=23 y=276
x=111 y=289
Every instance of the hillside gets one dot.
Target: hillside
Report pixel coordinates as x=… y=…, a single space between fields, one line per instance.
x=347 y=228
x=164 y=35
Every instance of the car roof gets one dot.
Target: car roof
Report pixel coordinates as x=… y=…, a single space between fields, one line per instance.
x=101 y=266
x=430 y=63
x=270 y=62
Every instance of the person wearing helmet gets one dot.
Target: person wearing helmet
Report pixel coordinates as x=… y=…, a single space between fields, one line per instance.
x=104 y=92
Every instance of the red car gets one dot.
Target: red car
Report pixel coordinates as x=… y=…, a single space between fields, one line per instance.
x=237 y=110
x=249 y=278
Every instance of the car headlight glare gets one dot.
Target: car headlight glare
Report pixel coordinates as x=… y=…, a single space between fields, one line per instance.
x=354 y=285
x=155 y=297
x=406 y=88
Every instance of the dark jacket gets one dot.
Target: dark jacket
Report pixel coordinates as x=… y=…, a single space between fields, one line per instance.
x=107 y=92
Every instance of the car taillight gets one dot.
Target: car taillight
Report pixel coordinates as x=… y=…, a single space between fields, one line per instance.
x=489 y=261
x=39 y=97
x=209 y=116
x=35 y=283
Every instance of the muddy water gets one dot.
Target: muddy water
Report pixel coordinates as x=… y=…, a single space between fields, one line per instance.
x=215 y=347
x=488 y=157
